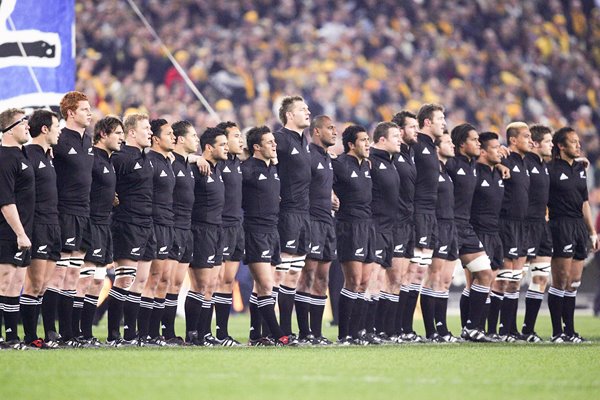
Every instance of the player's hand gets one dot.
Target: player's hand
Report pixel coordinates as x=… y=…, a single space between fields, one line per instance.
x=116 y=200
x=332 y=155
x=504 y=151
x=335 y=202
x=23 y=242
x=203 y=165
x=584 y=160
x=595 y=243
x=504 y=170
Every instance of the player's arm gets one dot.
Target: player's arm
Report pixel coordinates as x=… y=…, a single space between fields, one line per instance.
x=203 y=165
x=11 y=215
x=589 y=223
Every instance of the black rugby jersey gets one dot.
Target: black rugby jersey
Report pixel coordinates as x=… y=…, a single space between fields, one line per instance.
x=444 y=209
x=17 y=180
x=516 y=189
x=260 y=196
x=183 y=193
x=321 y=184
x=46 y=195
x=293 y=166
x=73 y=162
x=487 y=199
x=385 y=204
x=134 y=186
x=428 y=171
x=163 y=185
x=232 y=176
x=539 y=187
x=104 y=182
x=209 y=196
x=353 y=186
x=464 y=175
x=568 y=189
x=405 y=165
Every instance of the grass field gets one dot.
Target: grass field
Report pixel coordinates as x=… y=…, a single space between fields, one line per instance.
x=428 y=371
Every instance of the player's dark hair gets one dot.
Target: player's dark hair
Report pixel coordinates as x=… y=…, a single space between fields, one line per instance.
x=286 y=105
x=382 y=130
x=486 y=137
x=317 y=123
x=209 y=137
x=460 y=134
x=560 y=137
x=254 y=136
x=226 y=125
x=426 y=112
x=156 y=125
x=39 y=119
x=350 y=135
x=401 y=117
x=538 y=132
x=181 y=128
x=106 y=125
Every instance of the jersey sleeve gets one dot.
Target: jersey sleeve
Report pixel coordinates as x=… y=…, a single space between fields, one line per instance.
x=9 y=169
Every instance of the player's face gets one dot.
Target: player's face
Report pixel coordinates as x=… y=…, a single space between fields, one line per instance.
x=409 y=132
x=53 y=132
x=190 y=141
x=392 y=143
x=166 y=141
x=492 y=153
x=220 y=149
x=572 y=147
x=268 y=146
x=361 y=145
x=115 y=138
x=235 y=140
x=545 y=146
x=20 y=132
x=438 y=123
x=299 y=115
x=82 y=116
x=472 y=147
x=328 y=132
x=523 y=141
x=143 y=133
x=446 y=147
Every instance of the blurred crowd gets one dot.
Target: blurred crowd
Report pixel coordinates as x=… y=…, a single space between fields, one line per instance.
x=488 y=62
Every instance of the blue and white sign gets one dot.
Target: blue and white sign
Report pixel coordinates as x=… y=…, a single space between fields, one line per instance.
x=37 y=52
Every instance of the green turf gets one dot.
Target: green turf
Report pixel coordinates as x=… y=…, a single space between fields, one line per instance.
x=449 y=371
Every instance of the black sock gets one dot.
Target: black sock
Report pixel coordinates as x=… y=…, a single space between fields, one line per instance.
x=507 y=312
x=317 y=308
x=193 y=309
x=533 y=302
x=143 y=317
x=65 y=313
x=409 y=309
x=90 y=304
x=266 y=307
x=357 y=316
x=158 y=309
x=49 y=306
x=345 y=308
x=513 y=326
x=371 y=314
x=390 y=318
x=383 y=309
x=302 y=303
x=477 y=296
x=428 y=311
x=169 y=315
x=116 y=302
x=568 y=312
x=205 y=318
x=27 y=306
x=1 y=314
x=484 y=313
x=223 y=302
x=131 y=309
x=76 y=317
x=496 y=299
x=255 y=318
x=555 y=305
x=440 y=311
x=464 y=306
x=285 y=300
x=11 y=317
x=265 y=330
x=401 y=309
